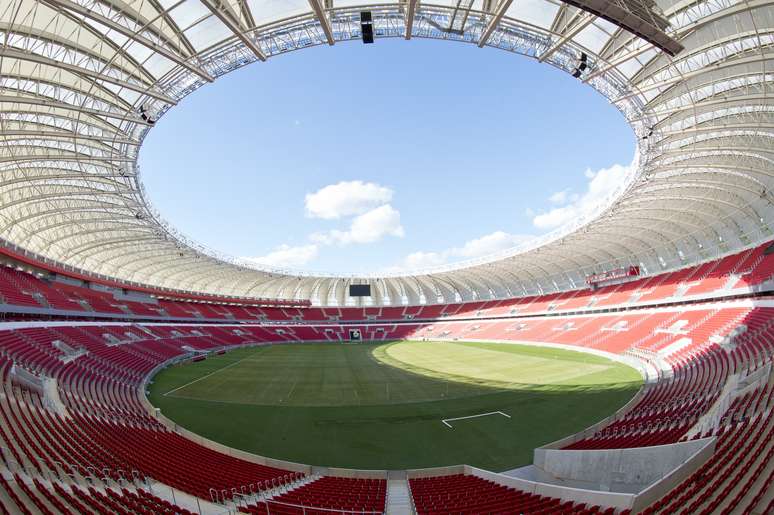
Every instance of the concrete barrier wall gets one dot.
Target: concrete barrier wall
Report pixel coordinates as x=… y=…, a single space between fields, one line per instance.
x=615 y=470
x=711 y=418
x=578 y=495
x=736 y=386
x=621 y=501
x=676 y=476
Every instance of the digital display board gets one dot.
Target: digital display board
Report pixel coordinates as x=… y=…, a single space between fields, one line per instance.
x=359 y=290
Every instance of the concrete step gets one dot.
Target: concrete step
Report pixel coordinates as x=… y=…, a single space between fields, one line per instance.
x=184 y=500
x=398 y=497
x=24 y=499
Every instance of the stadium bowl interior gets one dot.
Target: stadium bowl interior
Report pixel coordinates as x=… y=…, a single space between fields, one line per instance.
x=662 y=292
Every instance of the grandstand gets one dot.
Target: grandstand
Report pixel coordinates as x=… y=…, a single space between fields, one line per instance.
x=673 y=274
x=98 y=426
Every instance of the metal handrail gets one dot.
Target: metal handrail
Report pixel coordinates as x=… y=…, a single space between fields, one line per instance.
x=255 y=489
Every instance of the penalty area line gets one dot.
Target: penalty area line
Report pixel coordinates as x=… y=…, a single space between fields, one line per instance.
x=447 y=420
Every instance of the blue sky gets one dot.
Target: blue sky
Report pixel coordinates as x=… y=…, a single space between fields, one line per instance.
x=368 y=158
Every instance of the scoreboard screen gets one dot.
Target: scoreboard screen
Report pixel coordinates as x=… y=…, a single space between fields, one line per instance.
x=359 y=290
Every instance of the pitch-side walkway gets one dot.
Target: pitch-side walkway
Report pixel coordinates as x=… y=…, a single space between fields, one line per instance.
x=398 y=497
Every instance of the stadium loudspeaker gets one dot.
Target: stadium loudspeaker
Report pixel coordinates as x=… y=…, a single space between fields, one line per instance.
x=366 y=27
x=582 y=65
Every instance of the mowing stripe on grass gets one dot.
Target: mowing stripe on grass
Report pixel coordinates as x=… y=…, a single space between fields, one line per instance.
x=221 y=369
x=447 y=420
x=323 y=404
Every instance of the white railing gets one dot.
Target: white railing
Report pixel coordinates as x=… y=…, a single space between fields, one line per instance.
x=258 y=489
x=184 y=500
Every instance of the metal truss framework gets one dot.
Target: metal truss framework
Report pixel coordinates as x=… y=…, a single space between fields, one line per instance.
x=82 y=81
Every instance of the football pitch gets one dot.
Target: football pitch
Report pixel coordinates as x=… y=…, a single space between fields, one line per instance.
x=394 y=405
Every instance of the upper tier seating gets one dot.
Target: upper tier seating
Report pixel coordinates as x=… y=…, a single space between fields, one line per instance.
x=743 y=270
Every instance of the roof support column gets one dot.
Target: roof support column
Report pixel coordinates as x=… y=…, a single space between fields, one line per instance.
x=497 y=15
x=580 y=22
x=319 y=12
x=224 y=14
x=411 y=9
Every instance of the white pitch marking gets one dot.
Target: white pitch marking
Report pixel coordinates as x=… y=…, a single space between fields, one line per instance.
x=447 y=420
x=292 y=389
x=205 y=377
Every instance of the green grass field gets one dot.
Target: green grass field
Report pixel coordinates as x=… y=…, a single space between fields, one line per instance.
x=382 y=405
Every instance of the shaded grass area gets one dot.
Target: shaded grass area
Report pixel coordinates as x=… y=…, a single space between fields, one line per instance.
x=359 y=406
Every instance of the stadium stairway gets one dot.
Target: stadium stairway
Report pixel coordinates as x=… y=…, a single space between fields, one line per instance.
x=274 y=492
x=323 y=494
x=398 y=497
x=184 y=500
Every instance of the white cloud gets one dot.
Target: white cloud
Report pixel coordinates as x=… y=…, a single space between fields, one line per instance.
x=369 y=227
x=288 y=256
x=420 y=259
x=478 y=247
x=601 y=184
x=489 y=244
x=373 y=218
x=346 y=198
x=560 y=197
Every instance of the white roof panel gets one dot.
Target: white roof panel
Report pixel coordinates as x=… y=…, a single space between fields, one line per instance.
x=540 y=13
x=702 y=120
x=188 y=13
x=592 y=38
x=266 y=11
x=205 y=33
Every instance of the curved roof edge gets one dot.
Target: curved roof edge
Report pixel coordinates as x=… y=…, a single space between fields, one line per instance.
x=82 y=83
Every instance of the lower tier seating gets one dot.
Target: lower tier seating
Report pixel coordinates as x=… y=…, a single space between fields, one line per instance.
x=342 y=495
x=20 y=494
x=467 y=494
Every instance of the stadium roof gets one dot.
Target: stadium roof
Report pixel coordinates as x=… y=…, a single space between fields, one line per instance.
x=82 y=81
